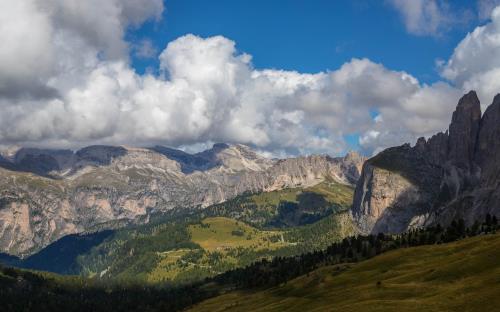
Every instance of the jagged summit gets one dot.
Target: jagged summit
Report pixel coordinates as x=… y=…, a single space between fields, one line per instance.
x=464 y=129
x=450 y=175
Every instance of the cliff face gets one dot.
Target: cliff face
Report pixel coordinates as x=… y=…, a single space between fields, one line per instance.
x=452 y=175
x=47 y=194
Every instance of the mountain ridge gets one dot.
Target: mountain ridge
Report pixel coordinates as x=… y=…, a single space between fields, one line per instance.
x=455 y=174
x=47 y=194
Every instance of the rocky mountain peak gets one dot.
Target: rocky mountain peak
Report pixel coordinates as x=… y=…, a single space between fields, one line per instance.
x=452 y=175
x=487 y=153
x=464 y=129
x=353 y=156
x=100 y=154
x=220 y=146
x=235 y=157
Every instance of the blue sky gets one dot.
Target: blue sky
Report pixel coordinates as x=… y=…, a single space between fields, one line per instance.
x=308 y=36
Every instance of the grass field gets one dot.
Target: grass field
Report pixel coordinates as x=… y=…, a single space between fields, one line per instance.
x=223 y=243
x=333 y=193
x=288 y=207
x=220 y=234
x=460 y=276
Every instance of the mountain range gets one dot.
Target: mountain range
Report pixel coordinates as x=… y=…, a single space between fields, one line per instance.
x=47 y=194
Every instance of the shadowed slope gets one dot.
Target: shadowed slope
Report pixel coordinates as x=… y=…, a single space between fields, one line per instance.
x=461 y=276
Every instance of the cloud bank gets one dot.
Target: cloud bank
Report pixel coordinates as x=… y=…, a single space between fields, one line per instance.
x=69 y=83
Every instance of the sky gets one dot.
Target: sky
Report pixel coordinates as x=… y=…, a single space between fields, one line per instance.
x=285 y=77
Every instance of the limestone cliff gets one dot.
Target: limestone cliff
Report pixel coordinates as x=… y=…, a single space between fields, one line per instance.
x=451 y=175
x=46 y=194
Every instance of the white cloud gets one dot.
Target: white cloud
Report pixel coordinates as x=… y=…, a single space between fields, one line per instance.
x=475 y=63
x=26 y=49
x=73 y=85
x=422 y=113
x=423 y=17
x=485 y=7
x=145 y=49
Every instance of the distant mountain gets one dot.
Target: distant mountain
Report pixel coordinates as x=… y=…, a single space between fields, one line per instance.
x=46 y=194
x=449 y=176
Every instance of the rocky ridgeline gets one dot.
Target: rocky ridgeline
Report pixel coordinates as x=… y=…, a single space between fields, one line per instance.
x=451 y=175
x=46 y=194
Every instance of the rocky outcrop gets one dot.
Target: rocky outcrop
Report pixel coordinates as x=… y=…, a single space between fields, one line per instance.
x=451 y=175
x=47 y=194
x=463 y=131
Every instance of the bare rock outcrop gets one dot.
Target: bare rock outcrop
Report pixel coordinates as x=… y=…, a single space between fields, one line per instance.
x=451 y=175
x=47 y=194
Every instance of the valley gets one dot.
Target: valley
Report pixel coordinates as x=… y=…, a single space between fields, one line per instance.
x=189 y=245
x=218 y=239
x=48 y=194
x=451 y=269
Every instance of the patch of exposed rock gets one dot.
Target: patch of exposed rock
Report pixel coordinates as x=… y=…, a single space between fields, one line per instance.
x=451 y=175
x=47 y=194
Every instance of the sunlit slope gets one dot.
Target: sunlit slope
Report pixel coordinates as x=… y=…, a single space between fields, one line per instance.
x=226 y=236
x=219 y=234
x=223 y=244
x=460 y=276
x=287 y=207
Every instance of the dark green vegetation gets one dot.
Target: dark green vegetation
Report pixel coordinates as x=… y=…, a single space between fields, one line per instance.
x=350 y=249
x=438 y=276
x=286 y=208
x=188 y=245
x=35 y=291
x=234 y=234
x=459 y=276
x=61 y=256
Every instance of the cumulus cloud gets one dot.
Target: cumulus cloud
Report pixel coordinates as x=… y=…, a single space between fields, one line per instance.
x=72 y=85
x=420 y=114
x=423 y=17
x=145 y=49
x=485 y=7
x=475 y=63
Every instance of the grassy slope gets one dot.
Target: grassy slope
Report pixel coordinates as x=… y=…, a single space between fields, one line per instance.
x=333 y=192
x=219 y=234
x=220 y=239
x=461 y=276
x=223 y=239
x=262 y=209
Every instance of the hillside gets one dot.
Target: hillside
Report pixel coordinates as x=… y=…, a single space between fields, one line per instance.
x=188 y=245
x=225 y=236
x=288 y=207
x=459 y=276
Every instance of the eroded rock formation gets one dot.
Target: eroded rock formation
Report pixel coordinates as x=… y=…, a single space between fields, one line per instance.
x=47 y=194
x=451 y=175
